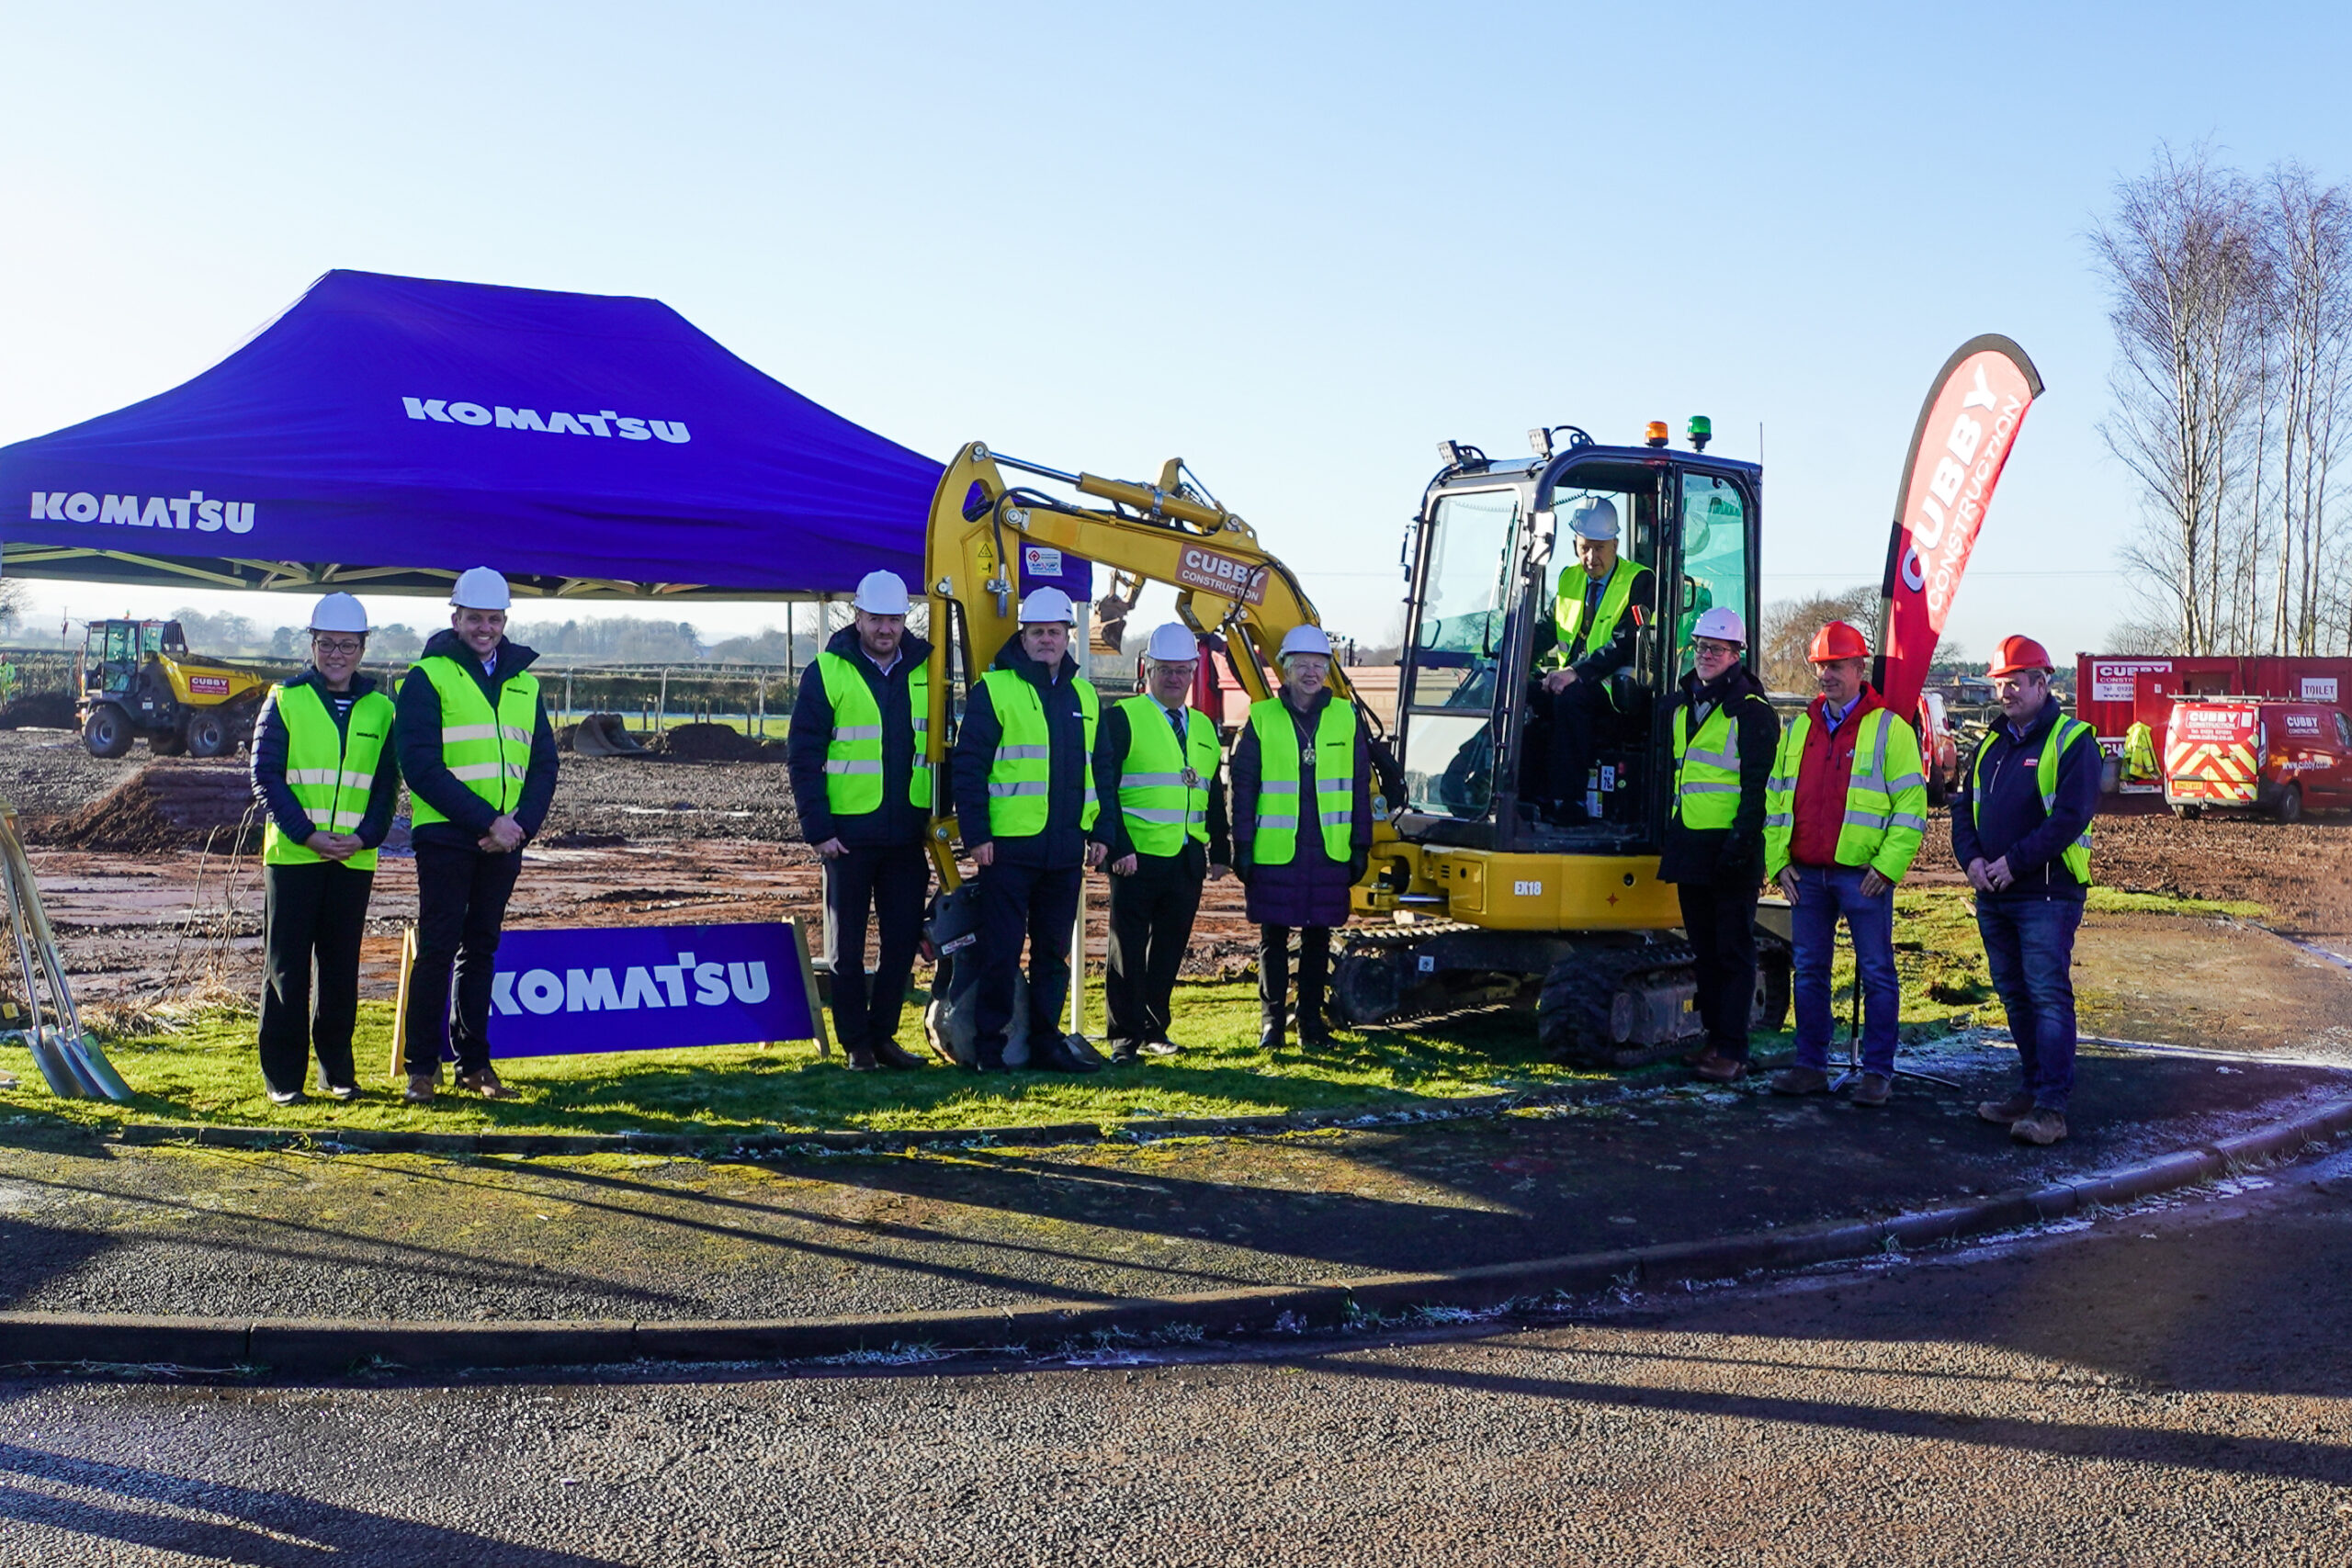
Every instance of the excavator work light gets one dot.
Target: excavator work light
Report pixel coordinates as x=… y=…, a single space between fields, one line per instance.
x=1656 y=435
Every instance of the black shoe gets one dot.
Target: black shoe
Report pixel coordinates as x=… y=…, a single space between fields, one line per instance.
x=1057 y=1057
x=861 y=1060
x=1270 y=1032
x=1123 y=1054
x=895 y=1056
x=340 y=1090
x=286 y=1097
x=1314 y=1034
x=1161 y=1048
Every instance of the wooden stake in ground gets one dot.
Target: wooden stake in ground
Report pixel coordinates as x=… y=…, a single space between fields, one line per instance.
x=400 y=1002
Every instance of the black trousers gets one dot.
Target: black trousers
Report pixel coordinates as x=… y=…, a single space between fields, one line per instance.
x=461 y=896
x=1273 y=973
x=1721 y=924
x=889 y=882
x=1040 y=905
x=1151 y=922
x=1576 y=711
x=317 y=910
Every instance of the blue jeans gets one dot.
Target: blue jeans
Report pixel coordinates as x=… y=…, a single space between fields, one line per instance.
x=2030 y=947
x=1825 y=893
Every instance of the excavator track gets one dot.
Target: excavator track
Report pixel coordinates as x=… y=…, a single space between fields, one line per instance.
x=1591 y=1004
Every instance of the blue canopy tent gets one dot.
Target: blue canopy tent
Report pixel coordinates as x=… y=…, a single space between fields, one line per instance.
x=386 y=432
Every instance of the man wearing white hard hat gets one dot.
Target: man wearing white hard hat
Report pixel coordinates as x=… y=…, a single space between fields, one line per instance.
x=1604 y=600
x=1025 y=801
x=1302 y=829
x=1162 y=819
x=1725 y=735
x=326 y=775
x=863 y=793
x=479 y=758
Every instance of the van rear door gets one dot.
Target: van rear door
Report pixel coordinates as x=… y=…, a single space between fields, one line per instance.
x=2209 y=751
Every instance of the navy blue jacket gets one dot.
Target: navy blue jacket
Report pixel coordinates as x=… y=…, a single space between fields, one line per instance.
x=1063 y=843
x=418 y=729
x=2012 y=821
x=277 y=797
x=896 y=821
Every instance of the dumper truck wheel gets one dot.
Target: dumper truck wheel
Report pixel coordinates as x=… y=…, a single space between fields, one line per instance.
x=208 y=733
x=107 y=732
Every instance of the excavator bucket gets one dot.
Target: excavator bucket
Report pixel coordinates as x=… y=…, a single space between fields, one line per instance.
x=605 y=735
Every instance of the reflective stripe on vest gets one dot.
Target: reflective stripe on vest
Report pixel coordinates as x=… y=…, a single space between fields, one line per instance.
x=853 y=750
x=2076 y=858
x=485 y=750
x=332 y=771
x=1706 y=769
x=1567 y=611
x=1275 y=840
x=1021 y=776
x=1886 y=813
x=1164 y=792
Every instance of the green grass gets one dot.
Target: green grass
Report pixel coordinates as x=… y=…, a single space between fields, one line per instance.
x=205 y=1072
x=208 y=1073
x=2116 y=901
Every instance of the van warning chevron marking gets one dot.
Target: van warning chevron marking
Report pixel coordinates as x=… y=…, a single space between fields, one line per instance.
x=193 y=510
x=606 y=423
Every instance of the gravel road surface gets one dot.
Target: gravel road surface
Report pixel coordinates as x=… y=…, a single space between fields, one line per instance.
x=2168 y=1385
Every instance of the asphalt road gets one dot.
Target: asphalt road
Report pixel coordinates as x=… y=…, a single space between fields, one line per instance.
x=2168 y=1385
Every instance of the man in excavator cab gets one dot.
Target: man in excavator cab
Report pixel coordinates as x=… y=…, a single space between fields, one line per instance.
x=1584 y=654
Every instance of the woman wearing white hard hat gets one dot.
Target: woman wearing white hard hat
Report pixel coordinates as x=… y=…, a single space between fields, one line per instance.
x=324 y=771
x=1302 y=828
x=1024 y=799
x=479 y=758
x=1725 y=735
x=863 y=793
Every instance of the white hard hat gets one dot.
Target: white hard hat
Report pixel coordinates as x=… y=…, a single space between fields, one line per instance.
x=1046 y=606
x=1173 y=644
x=339 y=613
x=478 y=588
x=881 y=593
x=1306 y=639
x=1594 y=519
x=1723 y=625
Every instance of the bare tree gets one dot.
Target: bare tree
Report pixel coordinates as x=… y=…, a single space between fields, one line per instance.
x=1789 y=626
x=2308 y=235
x=2185 y=268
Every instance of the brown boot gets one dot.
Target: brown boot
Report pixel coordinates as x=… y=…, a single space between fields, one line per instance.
x=2007 y=1112
x=2041 y=1126
x=486 y=1084
x=420 y=1088
x=1799 y=1080
x=1871 y=1088
x=1713 y=1066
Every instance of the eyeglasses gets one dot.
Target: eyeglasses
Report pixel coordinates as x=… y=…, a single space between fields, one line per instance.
x=1707 y=646
x=336 y=644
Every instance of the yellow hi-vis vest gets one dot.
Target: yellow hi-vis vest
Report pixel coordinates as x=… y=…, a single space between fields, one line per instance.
x=1706 y=766
x=853 y=752
x=1886 y=811
x=1164 y=792
x=331 y=772
x=1021 y=773
x=1275 y=838
x=485 y=750
x=1577 y=640
x=2139 y=753
x=2076 y=857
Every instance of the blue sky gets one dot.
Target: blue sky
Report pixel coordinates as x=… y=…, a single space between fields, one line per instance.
x=1296 y=244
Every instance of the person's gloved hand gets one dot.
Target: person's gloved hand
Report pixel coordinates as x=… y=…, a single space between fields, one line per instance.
x=1357 y=863
x=1243 y=868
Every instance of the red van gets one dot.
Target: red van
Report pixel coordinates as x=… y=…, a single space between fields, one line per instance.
x=2245 y=754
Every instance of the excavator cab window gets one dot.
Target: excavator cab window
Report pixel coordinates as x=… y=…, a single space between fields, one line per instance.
x=1457 y=649
x=1714 y=558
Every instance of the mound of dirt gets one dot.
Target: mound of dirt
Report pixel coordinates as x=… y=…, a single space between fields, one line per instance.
x=39 y=710
x=708 y=743
x=165 y=805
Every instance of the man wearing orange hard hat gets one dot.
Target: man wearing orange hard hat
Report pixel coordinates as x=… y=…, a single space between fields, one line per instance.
x=2021 y=828
x=1844 y=812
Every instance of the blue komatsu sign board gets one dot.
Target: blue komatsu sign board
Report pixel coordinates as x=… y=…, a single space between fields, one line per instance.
x=650 y=989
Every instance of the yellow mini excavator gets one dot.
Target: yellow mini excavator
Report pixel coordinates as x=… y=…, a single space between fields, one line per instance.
x=1475 y=895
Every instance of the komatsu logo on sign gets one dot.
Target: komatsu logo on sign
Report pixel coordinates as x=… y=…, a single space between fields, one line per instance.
x=190 y=511
x=642 y=986
x=604 y=422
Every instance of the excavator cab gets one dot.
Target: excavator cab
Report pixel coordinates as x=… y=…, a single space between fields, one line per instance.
x=1486 y=558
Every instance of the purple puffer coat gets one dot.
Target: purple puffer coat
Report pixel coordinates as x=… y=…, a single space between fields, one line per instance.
x=1312 y=889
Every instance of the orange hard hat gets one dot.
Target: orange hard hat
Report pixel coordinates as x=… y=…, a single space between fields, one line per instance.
x=1835 y=641
x=2016 y=653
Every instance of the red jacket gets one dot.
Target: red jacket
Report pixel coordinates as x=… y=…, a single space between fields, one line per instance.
x=1827 y=768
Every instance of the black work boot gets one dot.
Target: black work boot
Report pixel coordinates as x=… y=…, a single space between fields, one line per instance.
x=1273 y=984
